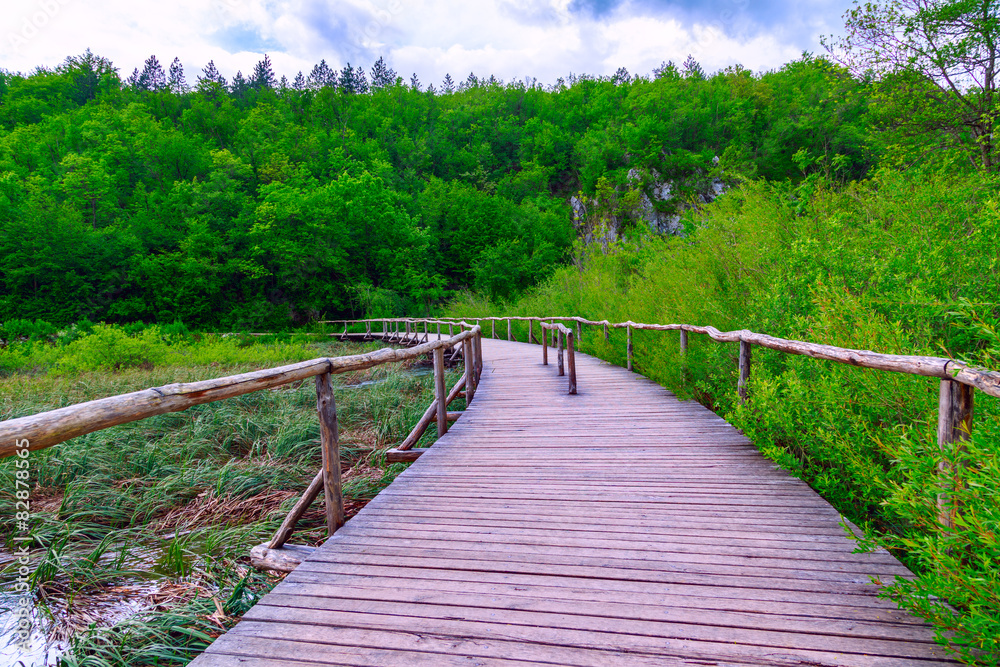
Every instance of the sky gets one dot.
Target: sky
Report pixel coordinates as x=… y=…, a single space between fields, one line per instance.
x=511 y=39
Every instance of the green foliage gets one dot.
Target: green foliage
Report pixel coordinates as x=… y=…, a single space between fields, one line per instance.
x=255 y=208
x=904 y=263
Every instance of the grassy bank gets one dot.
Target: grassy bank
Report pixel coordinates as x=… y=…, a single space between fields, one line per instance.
x=905 y=263
x=142 y=532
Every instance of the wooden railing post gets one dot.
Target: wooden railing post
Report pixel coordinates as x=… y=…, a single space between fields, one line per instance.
x=954 y=428
x=579 y=331
x=493 y=328
x=607 y=336
x=742 y=384
x=470 y=369
x=628 y=329
x=571 y=362
x=479 y=356
x=559 y=337
x=427 y=333
x=439 y=330
x=530 y=329
x=684 y=342
x=451 y=330
x=508 y=329
x=441 y=392
x=326 y=406
x=545 y=347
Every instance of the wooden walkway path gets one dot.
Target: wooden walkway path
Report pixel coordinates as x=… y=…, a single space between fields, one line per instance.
x=616 y=527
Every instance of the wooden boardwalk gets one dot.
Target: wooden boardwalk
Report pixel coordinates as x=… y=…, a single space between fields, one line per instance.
x=616 y=527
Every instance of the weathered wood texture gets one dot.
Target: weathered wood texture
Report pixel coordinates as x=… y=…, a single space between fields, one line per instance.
x=618 y=527
x=54 y=426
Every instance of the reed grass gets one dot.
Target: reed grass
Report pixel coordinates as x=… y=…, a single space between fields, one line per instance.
x=159 y=515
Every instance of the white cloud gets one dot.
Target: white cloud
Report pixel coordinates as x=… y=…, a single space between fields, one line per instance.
x=509 y=38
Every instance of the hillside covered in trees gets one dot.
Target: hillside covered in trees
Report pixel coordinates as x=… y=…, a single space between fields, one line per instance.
x=267 y=203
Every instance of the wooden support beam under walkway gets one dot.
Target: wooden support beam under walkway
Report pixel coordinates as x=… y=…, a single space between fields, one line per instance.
x=615 y=527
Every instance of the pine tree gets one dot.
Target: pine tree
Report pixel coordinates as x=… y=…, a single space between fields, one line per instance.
x=415 y=82
x=448 y=85
x=210 y=75
x=239 y=86
x=283 y=84
x=360 y=81
x=263 y=75
x=382 y=75
x=321 y=75
x=692 y=68
x=176 y=81
x=348 y=82
x=470 y=82
x=299 y=82
x=621 y=76
x=431 y=89
x=152 y=77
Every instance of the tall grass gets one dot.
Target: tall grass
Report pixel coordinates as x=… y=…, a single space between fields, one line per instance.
x=907 y=264
x=160 y=514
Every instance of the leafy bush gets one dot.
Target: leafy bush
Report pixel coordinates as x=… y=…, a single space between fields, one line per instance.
x=110 y=348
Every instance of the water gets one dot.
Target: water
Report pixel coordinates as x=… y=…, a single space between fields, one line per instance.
x=114 y=602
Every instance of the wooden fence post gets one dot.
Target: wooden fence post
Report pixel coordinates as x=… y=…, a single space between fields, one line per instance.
x=545 y=347
x=326 y=406
x=741 y=386
x=493 y=328
x=439 y=330
x=954 y=428
x=531 y=333
x=470 y=370
x=559 y=337
x=628 y=347
x=479 y=356
x=571 y=362
x=508 y=329
x=684 y=342
x=579 y=331
x=441 y=392
x=451 y=330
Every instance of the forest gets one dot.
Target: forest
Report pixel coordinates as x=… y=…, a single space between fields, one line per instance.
x=849 y=199
x=263 y=204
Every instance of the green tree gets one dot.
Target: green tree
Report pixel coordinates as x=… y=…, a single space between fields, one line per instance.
x=943 y=52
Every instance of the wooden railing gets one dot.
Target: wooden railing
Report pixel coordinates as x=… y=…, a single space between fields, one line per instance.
x=562 y=334
x=405 y=331
x=50 y=428
x=955 y=397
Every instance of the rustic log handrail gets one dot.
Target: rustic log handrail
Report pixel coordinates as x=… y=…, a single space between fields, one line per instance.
x=985 y=380
x=955 y=392
x=52 y=427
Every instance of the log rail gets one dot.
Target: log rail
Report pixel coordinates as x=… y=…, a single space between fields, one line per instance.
x=957 y=378
x=45 y=429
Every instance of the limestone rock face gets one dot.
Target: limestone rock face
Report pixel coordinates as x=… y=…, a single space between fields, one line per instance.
x=676 y=195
